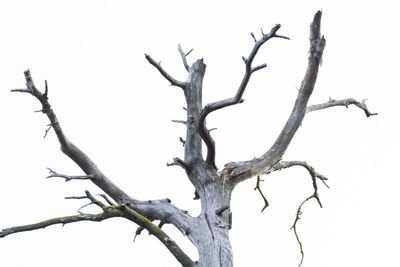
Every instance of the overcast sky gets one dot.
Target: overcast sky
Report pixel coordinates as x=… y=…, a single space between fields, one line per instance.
x=118 y=109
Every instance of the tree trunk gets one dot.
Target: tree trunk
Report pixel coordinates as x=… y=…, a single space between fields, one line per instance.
x=213 y=225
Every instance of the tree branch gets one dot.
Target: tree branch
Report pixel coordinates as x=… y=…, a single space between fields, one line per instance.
x=109 y=212
x=184 y=55
x=68 y=178
x=314 y=175
x=159 y=209
x=287 y=164
x=172 y=80
x=160 y=234
x=237 y=98
x=258 y=188
x=178 y=162
x=343 y=102
x=239 y=171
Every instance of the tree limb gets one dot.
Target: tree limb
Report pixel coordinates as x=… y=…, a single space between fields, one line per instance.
x=159 y=209
x=109 y=212
x=184 y=55
x=164 y=73
x=237 y=98
x=236 y=172
x=343 y=102
x=153 y=229
x=61 y=220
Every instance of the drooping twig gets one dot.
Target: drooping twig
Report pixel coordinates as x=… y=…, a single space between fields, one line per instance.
x=266 y=204
x=343 y=102
x=68 y=178
x=294 y=227
x=164 y=73
x=299 y=212
x=314 y=175
x=237 y=98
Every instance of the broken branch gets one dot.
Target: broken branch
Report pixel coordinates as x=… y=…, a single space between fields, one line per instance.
x=164 y=73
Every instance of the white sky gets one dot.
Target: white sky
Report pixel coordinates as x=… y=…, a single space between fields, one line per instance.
x=118 y=108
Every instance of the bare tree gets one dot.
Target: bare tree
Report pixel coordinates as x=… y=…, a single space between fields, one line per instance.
x=209 y=231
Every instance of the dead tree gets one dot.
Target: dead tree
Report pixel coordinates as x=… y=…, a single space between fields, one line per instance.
x=209 y=231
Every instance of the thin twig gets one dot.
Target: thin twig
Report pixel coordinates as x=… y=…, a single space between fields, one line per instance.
x=180 y=121
x=68 y=178
x=110 y=213
x=294 y=227
x=107 y=199
x=183 y=55
x=266 y=204
x=343 y=102
x=314 y=175
x=47 y=130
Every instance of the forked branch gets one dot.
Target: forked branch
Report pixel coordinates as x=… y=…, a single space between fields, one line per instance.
x=237 y=98
x=53 y=174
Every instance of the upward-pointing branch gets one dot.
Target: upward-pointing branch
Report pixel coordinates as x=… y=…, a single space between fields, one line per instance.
x=237 y=98
x=239 y=171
